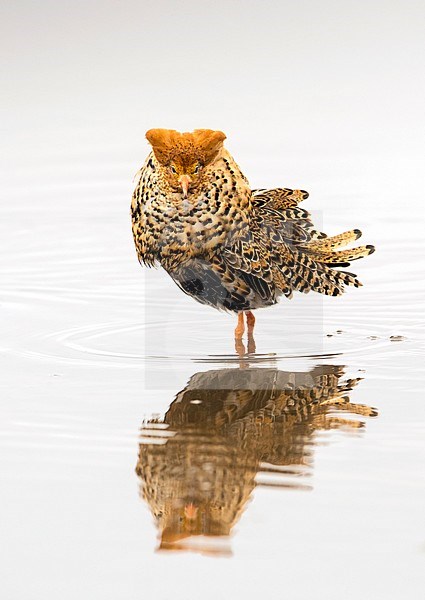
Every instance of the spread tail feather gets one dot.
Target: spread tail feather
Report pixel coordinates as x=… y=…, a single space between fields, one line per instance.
x=334 y=242
x=342 y=257
x=306 y=272
x=327 y=251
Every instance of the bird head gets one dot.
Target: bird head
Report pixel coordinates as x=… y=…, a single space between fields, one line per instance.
x=184 y=157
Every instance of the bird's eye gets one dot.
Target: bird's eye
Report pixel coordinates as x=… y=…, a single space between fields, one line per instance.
x=197 y=168
x=173 y=169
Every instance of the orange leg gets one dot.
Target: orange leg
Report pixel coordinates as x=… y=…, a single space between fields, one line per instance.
x=250 y=321
x=239 y=331
x=240 y=328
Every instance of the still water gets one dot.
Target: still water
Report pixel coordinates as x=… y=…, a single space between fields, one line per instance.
x=144 y=457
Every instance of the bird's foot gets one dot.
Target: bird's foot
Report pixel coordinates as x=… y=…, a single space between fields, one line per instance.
x=241 y=351
x=240 y=347
x=251 y=344
x=240 y=330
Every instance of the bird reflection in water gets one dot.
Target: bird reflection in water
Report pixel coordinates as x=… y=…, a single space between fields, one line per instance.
x=227 y=432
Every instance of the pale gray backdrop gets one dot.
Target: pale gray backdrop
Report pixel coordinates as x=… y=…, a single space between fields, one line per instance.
x=327 y=96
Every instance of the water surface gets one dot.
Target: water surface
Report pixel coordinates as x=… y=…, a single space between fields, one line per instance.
x=142 y=454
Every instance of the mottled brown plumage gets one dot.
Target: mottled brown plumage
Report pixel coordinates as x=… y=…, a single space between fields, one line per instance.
x=233 y=248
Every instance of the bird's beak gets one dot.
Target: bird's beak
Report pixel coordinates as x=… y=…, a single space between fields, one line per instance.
x=184 y=181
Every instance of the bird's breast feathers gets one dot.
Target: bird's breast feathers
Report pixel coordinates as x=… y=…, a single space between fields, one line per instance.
x=164 y=221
